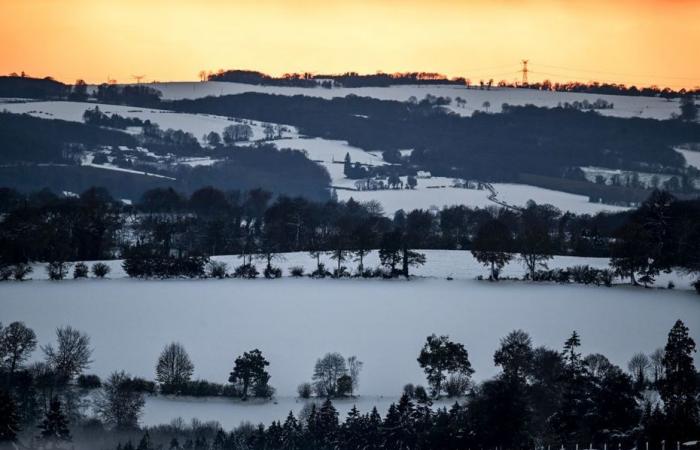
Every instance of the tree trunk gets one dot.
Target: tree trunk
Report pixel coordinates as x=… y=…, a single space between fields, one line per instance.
x=405 y=261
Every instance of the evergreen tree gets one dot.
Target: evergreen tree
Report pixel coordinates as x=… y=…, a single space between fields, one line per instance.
x=54 y=427
x=575 y=403
x=679 y=388
x=249 y=371
x=347 y=166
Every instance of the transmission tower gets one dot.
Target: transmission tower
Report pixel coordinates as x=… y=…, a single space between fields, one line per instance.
x=138 y=78
x=524 y=71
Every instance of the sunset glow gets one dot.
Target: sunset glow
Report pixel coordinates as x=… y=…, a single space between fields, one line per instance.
x=632 y=42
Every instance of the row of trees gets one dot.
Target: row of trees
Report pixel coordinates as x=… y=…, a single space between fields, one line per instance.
x=540 y=397
x=249 y=376
x=167 y=233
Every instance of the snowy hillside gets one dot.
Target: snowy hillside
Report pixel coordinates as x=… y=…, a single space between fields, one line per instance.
x=430 y=192
x=624 y=106
x=197 y=124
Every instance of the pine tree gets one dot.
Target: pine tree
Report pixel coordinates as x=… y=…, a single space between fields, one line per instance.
x=347 y=166
x=54 y=427
x=679 y=388
x=9 y=419
x=145 y=442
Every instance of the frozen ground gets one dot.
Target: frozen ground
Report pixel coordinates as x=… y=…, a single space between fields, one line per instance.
x=197 y=124
x=624 y=106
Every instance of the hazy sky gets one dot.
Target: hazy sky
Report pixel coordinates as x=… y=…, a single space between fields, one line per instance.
x=641 y=42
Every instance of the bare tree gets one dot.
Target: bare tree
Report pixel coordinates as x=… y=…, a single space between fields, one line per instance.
x=326 y=373
x=174 y=365
x=17 y=342
x=72 y=354
x=597 y=364
x=638 y=365
x=354 y=367
x=656 y=360
x=119 y=404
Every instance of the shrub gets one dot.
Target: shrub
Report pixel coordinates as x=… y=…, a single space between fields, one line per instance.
x=410 y=390
x=421 y=394
x=89 y=381
x=138 y=384
x=6 y=272
x=344 y=385
x=217 y=269
x=368 y=273
x=296 y=271
x=21 y=270
x=272 y=272
x=456 y=386
x=671 y=285
x=100 y=270
x=57 y=270
x=341 y=273
x=304 y=390
x=141 y=262
x=696 y=285
x=198 y=388
x=246 y=271
x=606 y=276
x=80 y=270
x=263 y=390
x=320 y=272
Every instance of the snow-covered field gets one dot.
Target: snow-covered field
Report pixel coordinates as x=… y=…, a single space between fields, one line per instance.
x=295 y=321
x=437 y=192
x=197 y=124
x=624 y=106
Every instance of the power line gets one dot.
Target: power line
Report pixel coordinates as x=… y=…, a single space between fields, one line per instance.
x=571 y=69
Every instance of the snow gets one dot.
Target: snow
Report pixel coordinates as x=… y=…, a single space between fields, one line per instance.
x=294 y=321
x=331 y=155
x=624 y=106
x=437 y=192
x=108 y=166
x=692 y=157
x=197 y=124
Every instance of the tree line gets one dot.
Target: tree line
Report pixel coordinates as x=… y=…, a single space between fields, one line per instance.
x=169 y=234
x=541 y=397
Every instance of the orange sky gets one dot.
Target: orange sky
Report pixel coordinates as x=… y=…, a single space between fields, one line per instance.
x=642 y=42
